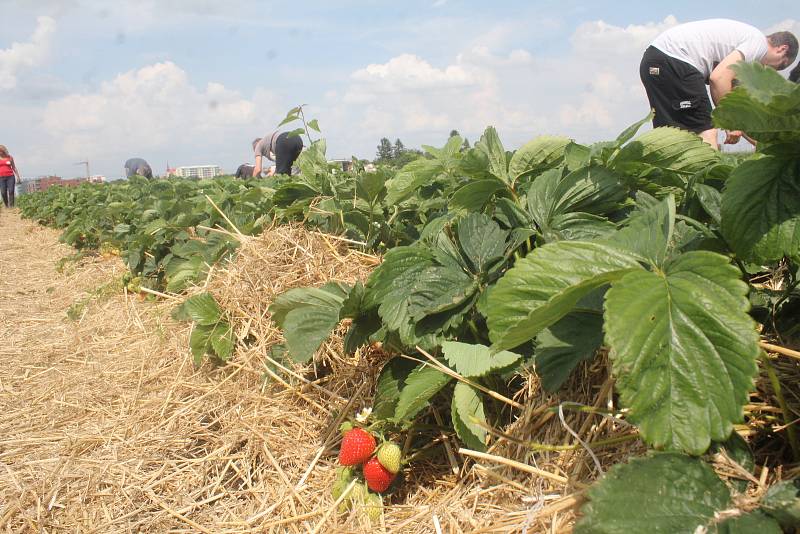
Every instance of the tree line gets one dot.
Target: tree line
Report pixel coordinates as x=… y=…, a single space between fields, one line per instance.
x=396 y=154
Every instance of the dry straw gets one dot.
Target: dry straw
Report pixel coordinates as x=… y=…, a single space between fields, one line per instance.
x=106 y=426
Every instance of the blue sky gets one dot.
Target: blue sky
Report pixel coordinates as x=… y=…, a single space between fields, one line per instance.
x=194 y=81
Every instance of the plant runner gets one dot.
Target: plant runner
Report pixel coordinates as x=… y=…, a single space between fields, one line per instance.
x=680 y=62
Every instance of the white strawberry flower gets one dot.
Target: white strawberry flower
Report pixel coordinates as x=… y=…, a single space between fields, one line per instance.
x=363 y=415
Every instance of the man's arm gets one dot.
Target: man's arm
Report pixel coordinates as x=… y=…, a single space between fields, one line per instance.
x=257 y=167
x=721 y=79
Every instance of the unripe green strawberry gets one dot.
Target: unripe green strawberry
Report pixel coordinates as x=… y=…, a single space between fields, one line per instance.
x=357 y=446
x=378 y=477
x=343 y=477
x=373 y=506
x=389 y=456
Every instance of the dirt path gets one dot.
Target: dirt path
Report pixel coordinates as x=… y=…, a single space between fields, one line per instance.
x=106 y=426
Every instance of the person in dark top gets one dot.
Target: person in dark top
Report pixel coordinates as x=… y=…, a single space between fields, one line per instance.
x=245 y=170
x=277 y=147
x=139 y=167
x=794 y=76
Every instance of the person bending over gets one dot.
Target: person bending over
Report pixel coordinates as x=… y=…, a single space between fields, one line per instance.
x=680 y=62
x=277 y=147
x=137 y=166
x=244 y=170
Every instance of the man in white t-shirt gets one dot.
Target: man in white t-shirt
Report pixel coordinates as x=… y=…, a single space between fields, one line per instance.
x=680 y=62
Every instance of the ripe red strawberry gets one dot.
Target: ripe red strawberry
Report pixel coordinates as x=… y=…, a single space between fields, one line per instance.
x=378 y=477
x=357 y=446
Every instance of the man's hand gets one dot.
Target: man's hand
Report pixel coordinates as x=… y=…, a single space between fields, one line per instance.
x=733 y=137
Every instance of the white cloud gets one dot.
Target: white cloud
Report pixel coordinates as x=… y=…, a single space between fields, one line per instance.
x=21 y=56
x=599 y=39
x=590 y=91
x=408 y=72
x=157 y=113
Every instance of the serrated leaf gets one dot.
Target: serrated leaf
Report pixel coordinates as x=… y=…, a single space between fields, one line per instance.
x=628 y=133
x=410 y=178
x=782 y=502
x=660 y=494
x=576 y=156
x=561 y=347
x=753 y=522
x=492 y=148
x=437 y=289
x=200 y=342
x=711 y=200
x=314 y=125
x=667 y=149
x=222 y=341
x=296 y=132
x=465 y=409
x=475 y=361
x=391 y=381
x=579 y=227
x=473 y=196
x=420 y=386
x=761 y=209
x=545 y=285
x=305 y=329
x=331 y=295
x=203 y=309
x=649 y=229
x=538 y=155
x=482 y=240
x=591 y=189
x=683 y=349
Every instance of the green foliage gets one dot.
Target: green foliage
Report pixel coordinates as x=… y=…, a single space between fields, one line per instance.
x=211 y=334
x=668 y=492
x=553 y=251
x=664 y=493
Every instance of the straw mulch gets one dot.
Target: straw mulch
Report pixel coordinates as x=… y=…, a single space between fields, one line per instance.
x=106 y=425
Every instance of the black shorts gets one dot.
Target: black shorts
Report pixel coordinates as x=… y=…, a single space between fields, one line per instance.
x=287 y=149
x=676 y=91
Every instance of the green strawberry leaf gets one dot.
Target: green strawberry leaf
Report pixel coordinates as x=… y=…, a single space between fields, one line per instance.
x=782 y=502
x=562 y=346
x=466 y=408
x=545 y=285
x=662 y=493
x=683 y=349
x=420 y=386
x=203 y=309
x=761 y=209
x=474 y=361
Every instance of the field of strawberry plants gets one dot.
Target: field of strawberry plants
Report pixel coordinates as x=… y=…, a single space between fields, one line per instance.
x=678 y=265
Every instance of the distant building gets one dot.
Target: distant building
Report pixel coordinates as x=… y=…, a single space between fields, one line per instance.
x=198 y=171
x=43 y=182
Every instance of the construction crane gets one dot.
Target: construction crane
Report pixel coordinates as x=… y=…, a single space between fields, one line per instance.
x=88 y=176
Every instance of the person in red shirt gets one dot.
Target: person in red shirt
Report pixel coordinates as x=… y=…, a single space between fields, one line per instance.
x=8 y=171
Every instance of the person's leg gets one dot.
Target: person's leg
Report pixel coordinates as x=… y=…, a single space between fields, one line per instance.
x=12 y=186
x=4 y=190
